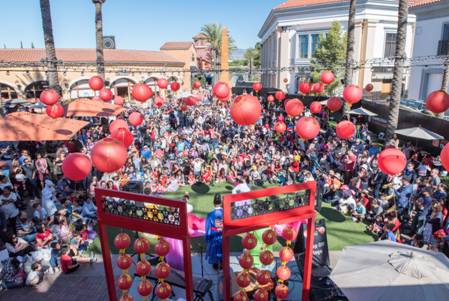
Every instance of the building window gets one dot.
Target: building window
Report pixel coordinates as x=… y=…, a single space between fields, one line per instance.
x=390 y=44
x=308 y=44
x=304 y=46
x=315 y=43
x=443 y=43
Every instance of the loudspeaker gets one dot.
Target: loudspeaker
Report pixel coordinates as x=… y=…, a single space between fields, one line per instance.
x=109 y=42
x=134 y=186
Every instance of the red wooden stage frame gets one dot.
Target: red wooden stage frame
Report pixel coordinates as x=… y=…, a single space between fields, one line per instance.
x=233 y=227
x=180 y=231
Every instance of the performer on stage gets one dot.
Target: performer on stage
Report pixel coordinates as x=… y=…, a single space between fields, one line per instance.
x=214 y=228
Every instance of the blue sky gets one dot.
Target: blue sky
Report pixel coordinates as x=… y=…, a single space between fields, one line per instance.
x=136 y=24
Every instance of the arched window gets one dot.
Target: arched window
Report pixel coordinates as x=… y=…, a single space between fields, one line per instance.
x=35 y=89
x=7 y=92
x=81 y=89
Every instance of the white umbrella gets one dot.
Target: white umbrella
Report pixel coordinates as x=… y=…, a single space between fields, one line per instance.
x=362 y=111
x=388 y=271
x=419 y=133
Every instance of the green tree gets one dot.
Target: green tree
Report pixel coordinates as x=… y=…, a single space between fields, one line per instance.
x=213 y=35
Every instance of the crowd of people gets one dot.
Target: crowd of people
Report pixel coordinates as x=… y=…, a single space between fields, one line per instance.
x=48 y=222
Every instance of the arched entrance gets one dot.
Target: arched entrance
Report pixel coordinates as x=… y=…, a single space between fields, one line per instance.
x=122 y=87
x=34 y=90
x=81 y=89
x=7 y=92
x=152 y=83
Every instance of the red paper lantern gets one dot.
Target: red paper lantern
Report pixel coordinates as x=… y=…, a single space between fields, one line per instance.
x=162 y=248
x=304 y=88
x=391 y=161
x=162 y=83
x=122 y=241
x=369 y=87
x=175 y=86
x=141 y=92
x=159 y=101
x=126 y=298
x=307 y=128
x=270 y=98
x=246 y=260
x=257 y=87
x=141 y=245
x=315 y=107
x=162 y=270
x=124 y=282
x=145 y=287
x=317 y=88
x=243 y=279
x=286 y=254
x=294 y=107
x=266 y=257
x=76 y=166
x=109 y=155
x=221 y=90
x=196 y=85
x=106 y=94
x=124 y=261
x=116 y=124
x=334 y=104
x=437 y=102
x=55 y=111
x=281 y=291
x=124 y=136
x=280 y=127
x=240 y=296
x=49 y=97
x=163 y=290
x=261 y=295
x=143 y=268
x=352 y=94
x=263 y=277
x=118 y=100
x=444 y=156
x=246 y=110
x=285 y=80
x=327 y=77
x=279 y=95
x=249 y=242
x=345 y=129
x=288 y=233
x=283 y=272
x=269 y=237
x=135 y=118
x=96 y=83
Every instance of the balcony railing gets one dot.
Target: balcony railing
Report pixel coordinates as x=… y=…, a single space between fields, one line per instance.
x=443 y=46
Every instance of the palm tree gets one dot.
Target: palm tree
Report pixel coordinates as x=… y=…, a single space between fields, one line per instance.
x=99 y=36
x=445 y=81
x=250 y=57
x=212 y=32
x=52 y=75
x=350 y=48
x=395 y=98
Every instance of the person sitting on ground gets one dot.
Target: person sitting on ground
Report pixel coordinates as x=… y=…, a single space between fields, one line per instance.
x=359 y=212
x=17 y=246
x=43 y=236
x=36 y=275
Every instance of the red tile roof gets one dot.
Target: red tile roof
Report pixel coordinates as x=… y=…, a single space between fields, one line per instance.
x=176 y=45
x=417 y=3
x=89 y=55
x=302 y=3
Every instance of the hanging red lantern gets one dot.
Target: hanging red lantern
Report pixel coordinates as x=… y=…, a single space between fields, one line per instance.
x=444 y=156
x=141 y=92
x=190 y=100
x=249 y=242
x=163 y=290
x=391 y=161
x=162 y=83
x=141 y=245
x=196 y=85
x=281 y=291
x=243 y=279
x=116 y=124
x=266 y=257
x=175 y=86
x=263 y=277
x=162 y=270
x=288 y=233
x=124 y=282
x=55 y=111
x=126 y=298
x=145 y=287
x=261 y=295
x=246 y=260
x=280 y=127
x=106 y=94
x=279 y=95
x=257 y=87
x=294 y=107
x=270 y=98
x=143 y=268
x=345 y=129
x=285 y=80
x=369 y=88
x=49 y=97
x=124 y=136
x=315 y=107
x=317 y=88
x=221 y=90
x=118 y=100
x=109 y=155
x=334 y=104
x=96 y=83
x=135 y=118
x=240 y=296
x=307 y=128
x=286 y=254
x=124 y=261
x=76 y=166
x=327 y=77
x=122 y=241
x=304 y=88
x=162 y=248
x=283 y=273
x=246 y=110
x=352 y=94
x=159 y=101
x=269 y=237
x=437 y=102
